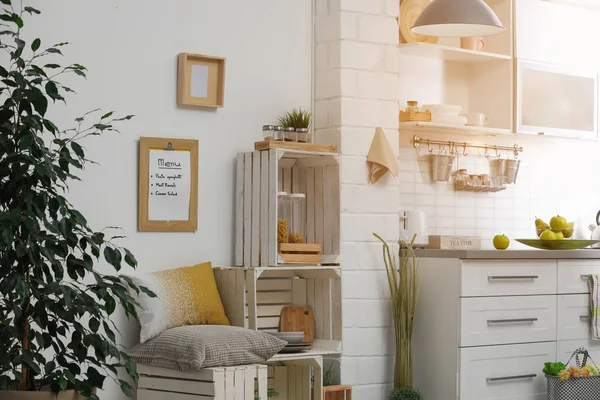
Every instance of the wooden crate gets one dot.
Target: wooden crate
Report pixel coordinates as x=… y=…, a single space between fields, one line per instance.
x=243 y=382
x=297 y=379
x=254 y=297
x=260 y=175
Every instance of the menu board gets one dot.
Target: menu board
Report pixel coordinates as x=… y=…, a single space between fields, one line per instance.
x=169 y=192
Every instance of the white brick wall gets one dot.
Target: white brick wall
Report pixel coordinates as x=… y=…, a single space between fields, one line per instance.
x=357 y=91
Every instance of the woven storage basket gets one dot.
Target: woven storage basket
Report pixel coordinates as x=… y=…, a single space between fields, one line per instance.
x=584 y=388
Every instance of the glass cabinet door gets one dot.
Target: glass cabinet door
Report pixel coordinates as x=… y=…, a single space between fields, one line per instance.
x=557 y=101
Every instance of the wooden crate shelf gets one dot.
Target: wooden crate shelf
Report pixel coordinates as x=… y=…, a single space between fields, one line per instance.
x=260 y=175
x=254 y=297
x=293 y=379
x=243 y=382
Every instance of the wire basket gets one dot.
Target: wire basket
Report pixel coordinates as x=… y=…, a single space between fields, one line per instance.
x=583 y=388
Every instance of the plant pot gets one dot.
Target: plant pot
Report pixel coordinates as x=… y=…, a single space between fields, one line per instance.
x=41 y=395
x=335 y=392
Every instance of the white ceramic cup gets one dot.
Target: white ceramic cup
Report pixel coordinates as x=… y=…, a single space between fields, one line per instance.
x=477 y=119
x=472 y=43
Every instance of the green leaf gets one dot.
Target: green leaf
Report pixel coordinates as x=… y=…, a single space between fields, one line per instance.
x=52 y=90
x=77 y=149
x=32 y=10
x=126 y=388
x=108 y=114
x=109 y=304
x=39 y=101
x=130 y=258
x=62 y=383
x=54 y=51
x=98 y=238
x=3 y=72
x=7 y=2
x=94 y=325
x=36 y=44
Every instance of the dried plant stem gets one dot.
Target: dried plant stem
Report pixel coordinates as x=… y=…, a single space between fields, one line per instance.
x=404 y=290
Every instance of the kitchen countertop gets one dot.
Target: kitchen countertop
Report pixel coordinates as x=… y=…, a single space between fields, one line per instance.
x=509 y=254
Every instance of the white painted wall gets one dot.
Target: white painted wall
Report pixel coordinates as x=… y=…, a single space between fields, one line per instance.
x=130 y=48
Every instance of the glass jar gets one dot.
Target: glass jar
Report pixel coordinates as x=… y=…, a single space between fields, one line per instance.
x=474 y=183
x=412 y=106
x=283 y=213
x=289 y=134
x=278 y=133
x=268 y=132
x=297 y=206
x=461 y=179
x=302 y=135
x=485 y=181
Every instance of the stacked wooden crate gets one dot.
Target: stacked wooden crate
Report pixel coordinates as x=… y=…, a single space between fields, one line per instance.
x=254 y=297
x=260 y=175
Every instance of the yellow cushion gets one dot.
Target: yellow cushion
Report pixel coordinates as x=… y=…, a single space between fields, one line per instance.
x=185 y=296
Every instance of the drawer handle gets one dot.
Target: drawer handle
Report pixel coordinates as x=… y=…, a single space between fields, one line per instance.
x=512 y=277
x=512 y=321
x=510 y=378
x=584 y=317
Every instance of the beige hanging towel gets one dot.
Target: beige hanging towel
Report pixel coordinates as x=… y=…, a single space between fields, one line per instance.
x=381 y=158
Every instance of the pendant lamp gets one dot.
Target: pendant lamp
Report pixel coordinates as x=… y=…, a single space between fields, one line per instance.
x=457 y=18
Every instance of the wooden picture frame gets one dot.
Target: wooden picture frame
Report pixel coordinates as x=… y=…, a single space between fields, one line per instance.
x=201 y=81
x=149 y=207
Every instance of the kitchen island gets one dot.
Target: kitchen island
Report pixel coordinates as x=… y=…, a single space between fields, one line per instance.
x=487 y=320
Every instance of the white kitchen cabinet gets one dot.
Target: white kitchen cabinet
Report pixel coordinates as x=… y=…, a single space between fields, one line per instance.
x=556 y=101
x=557 y=34
x=486 y=324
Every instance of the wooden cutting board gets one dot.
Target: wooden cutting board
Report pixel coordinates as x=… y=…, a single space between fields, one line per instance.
x=298 y=319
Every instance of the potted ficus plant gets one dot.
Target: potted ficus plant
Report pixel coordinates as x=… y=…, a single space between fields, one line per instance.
x=55 y=306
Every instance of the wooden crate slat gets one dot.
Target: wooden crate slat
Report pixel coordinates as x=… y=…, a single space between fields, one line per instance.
x=302 y=259
x=255 y=208
x=247 y=208
x=287 y=180
x=273 y=284
x=273 y=179
x=240 y=291
x=204 y=375
x=305 y=382
x=182 y=386
x=219 y=378
x=326 y=308
x=226 y=297
x=299 y=292
x=336 y=299
x=280 y=382
x=270 y=311
x=274 y=297
x=292 y=394
x=328 y=208
x=239 y=211
x=319 y=222
x=229 y=384
x=250 y=375
x=262 y=382
x=264 y=209
x=251 y=277
x=144 y=394
x=318 y=308
x=336 y=210
x=310 y=205
x=268 y=322
x=239 y=384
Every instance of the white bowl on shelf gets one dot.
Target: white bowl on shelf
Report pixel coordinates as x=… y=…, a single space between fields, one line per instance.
x=446 y=109
x=290 y=337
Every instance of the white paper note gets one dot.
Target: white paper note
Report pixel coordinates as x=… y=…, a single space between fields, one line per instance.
x=199 y=86
x=170 y=178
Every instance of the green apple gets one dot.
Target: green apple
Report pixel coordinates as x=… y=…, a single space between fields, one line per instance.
x=501 y=242
x=568 y=231
x=548 y=235
x=559 y=235
x=558 y=223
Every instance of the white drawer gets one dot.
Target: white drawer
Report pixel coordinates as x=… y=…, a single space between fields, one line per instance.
x=508 y=277
x=505 y=372
x=573 y=275
x=565 y=349
x=574 y=317
x=506 y=320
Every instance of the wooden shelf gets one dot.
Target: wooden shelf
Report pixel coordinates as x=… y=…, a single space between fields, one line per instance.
x=435 y=127
x=448 y=53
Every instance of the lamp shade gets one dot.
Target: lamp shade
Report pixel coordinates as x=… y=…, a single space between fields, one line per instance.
x=457 y=18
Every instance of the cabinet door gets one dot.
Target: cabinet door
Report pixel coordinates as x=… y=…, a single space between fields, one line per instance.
x=556 y=101
x=557 y=34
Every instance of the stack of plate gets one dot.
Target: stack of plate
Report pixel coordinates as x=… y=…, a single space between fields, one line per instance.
x=294 y=340
x=446 y=114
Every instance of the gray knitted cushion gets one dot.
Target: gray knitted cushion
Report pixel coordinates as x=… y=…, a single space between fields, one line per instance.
x=193 y=347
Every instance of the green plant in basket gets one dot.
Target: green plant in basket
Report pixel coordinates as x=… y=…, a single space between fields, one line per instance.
x=297 y=118
x=406 y=393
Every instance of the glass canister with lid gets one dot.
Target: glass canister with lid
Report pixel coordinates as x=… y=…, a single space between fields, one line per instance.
x=278 y=133
x=268 y=132
x=297 y=209
x=283 y=215
x=289 y=134
x=302 y=135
